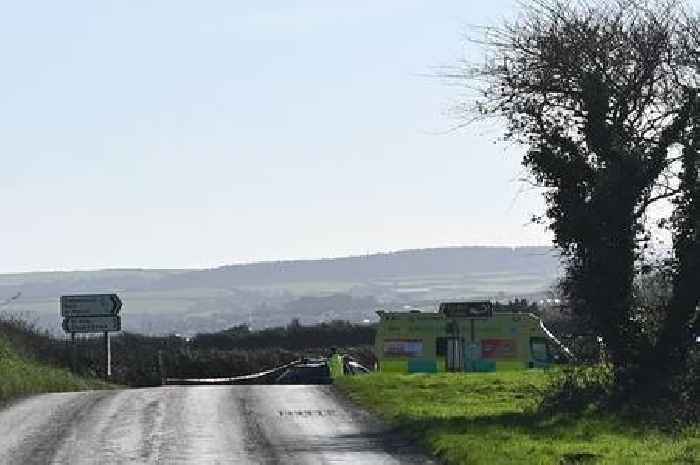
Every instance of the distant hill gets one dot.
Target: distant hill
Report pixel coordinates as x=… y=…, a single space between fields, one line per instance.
x=453 y=260
x=269 y=292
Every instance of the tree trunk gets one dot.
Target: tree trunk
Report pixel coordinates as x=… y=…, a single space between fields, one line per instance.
x=605 y=274
x=676 y=335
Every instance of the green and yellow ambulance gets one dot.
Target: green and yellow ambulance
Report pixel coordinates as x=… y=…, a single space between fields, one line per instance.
x=464 y=336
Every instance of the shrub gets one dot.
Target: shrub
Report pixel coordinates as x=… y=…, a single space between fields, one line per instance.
x=579 y=388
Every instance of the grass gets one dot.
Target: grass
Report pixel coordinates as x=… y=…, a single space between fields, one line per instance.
x=20 y=376
x=490 y=419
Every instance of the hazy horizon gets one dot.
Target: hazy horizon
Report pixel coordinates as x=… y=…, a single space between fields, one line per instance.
x=285 y=259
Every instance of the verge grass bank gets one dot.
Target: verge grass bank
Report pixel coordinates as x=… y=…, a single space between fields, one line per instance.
x=491 y=419
x=20 y=376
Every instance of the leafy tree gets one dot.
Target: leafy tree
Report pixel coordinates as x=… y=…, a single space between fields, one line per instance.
x=604 y=98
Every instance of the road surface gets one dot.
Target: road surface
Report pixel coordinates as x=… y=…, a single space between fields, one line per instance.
x=197 y=425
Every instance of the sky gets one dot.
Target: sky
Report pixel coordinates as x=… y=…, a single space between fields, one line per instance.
x=178 y=134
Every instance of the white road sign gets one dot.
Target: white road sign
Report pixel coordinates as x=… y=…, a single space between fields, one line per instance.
x=92 y=324
x=90 y=304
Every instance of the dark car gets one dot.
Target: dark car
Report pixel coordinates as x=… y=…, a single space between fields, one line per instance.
x=306 y=373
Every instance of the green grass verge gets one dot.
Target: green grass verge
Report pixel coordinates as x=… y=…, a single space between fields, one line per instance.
x=19 y=376
x=489 y=419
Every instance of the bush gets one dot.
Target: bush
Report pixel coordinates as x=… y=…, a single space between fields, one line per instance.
x=235 y=352
x=578 y=389
x=293 y=337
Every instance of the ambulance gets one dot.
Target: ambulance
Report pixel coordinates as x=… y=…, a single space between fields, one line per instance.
x=464 y=336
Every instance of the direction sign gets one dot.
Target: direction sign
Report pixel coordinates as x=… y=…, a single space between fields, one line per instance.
x=92 y=324
x=90 y=304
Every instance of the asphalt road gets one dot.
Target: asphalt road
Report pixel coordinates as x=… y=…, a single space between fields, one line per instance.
x=197 y=425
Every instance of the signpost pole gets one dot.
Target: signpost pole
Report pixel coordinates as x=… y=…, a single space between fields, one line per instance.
x=108 y=357
x=161 y=369
x=73 y=353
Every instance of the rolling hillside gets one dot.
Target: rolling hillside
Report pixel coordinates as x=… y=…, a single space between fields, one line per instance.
x=268 y=293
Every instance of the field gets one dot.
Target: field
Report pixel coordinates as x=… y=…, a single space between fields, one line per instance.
x=490 y=419
x=20 y=376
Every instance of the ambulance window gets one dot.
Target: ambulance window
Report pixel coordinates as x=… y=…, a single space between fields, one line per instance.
x=441 y=346
x=539 y=350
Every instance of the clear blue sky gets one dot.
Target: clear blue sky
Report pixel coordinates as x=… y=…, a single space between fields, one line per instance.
x=196 y=134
